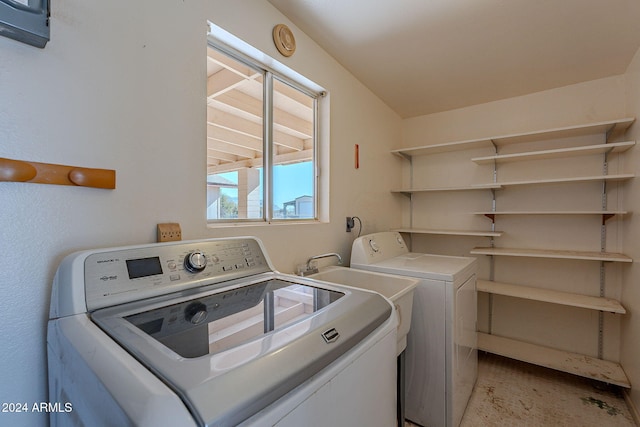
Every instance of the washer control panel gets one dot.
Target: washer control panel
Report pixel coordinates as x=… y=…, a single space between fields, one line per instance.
x=119 y=276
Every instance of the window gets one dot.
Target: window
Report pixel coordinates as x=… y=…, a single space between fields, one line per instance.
x=262 y=154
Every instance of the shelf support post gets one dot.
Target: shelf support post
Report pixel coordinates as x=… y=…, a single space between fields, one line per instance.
x=495 y=165
x=492 y=259
x=603 y=246
x=410 y=159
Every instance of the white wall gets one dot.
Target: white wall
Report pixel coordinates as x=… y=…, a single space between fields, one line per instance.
x=121 y=86
x=630 y=344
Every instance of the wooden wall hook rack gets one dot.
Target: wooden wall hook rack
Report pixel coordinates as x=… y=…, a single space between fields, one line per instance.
x=47 y=173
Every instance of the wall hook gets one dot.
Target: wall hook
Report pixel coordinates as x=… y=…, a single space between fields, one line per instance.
x=47 y=173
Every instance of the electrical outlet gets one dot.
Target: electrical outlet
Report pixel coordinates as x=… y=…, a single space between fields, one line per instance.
x=350 y=223
x=169 y=232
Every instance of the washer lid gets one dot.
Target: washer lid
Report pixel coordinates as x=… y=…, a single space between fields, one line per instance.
x=223 y=384
x=427 y=266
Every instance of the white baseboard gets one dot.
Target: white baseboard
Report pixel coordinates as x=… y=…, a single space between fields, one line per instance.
x=632 y=407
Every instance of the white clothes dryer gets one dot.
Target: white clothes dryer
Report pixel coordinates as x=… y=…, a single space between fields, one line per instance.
x=441 y=355
x=207 y=333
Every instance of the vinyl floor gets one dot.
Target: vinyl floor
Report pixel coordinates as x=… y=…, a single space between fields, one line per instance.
x=512 y=393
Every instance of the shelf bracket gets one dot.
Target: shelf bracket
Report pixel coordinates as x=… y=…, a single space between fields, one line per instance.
x=606 y=217
x=491 y=216
x=404 y=155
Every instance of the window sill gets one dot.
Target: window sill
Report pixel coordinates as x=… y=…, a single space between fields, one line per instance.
x=232 y=224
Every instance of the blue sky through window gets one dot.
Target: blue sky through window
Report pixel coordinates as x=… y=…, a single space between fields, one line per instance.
x=289 y=181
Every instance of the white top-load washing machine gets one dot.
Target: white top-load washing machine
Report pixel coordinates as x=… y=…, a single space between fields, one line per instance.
x=441 y=356
x=207 y=333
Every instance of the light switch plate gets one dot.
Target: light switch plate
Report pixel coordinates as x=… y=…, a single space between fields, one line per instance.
x=169 y=232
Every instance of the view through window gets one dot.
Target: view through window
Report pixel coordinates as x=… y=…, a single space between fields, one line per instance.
x=251 y=111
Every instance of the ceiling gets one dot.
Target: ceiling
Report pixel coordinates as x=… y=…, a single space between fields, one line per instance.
x=426 y=56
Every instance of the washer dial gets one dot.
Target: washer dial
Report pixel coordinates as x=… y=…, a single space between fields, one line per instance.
x=196 y=313
x=195 y=262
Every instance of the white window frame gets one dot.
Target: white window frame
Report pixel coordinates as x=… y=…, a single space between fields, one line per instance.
x=230 y=45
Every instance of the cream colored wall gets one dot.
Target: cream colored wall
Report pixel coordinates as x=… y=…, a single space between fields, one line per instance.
x=121 y=86
x=630 y=337
x=530 y=321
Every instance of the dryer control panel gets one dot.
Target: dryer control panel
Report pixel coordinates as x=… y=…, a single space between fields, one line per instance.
x=119 y=276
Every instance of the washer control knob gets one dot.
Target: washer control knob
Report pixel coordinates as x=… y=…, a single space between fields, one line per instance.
x=196 y=313
x=195 y=262
x=374 y=246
